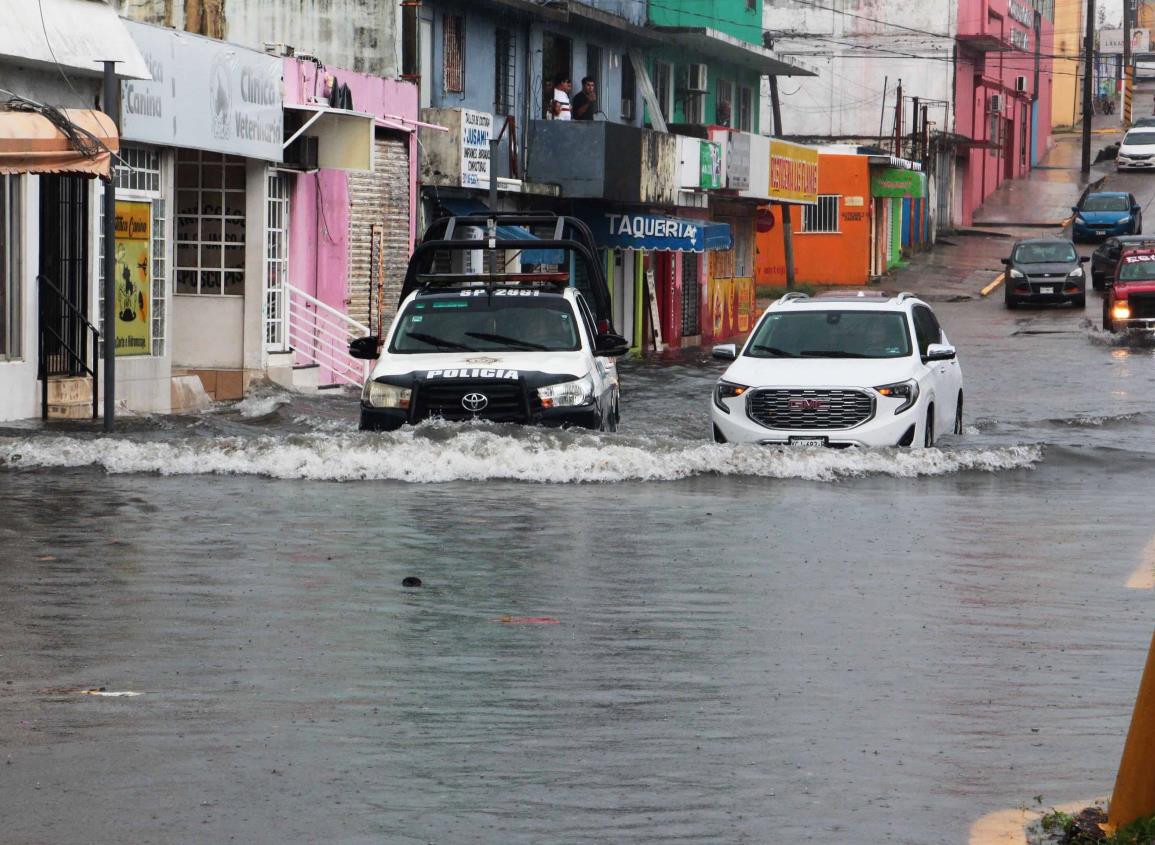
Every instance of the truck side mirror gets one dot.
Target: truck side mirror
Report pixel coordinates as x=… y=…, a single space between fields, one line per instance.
x=364 y=347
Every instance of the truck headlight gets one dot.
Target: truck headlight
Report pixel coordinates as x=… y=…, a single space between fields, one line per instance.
x=1121 y=311
x=727 y=390
x=386 y=395
x=904 y=390
x=568 y=393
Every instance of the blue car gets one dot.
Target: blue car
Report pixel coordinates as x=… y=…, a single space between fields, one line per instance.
x=1106 y=213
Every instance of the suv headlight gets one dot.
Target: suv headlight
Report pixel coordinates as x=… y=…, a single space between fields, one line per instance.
x=386 y=395
x=1123 y=220
x=905 y=390
x=568 y=393
x=727 y=390
x=1074 y=274
x=1017 y=274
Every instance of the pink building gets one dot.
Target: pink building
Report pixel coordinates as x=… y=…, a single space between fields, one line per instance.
x=351 y=228
x=1003 y=87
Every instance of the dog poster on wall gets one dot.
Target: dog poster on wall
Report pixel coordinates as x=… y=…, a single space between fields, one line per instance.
x=133 y=277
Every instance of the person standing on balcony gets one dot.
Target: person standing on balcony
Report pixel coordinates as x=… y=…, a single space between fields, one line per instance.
x=585 y=104
x=560 y=108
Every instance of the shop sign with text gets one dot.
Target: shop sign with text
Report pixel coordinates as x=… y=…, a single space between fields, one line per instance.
x=133 y=277
x=893 y=182
x=793 y=172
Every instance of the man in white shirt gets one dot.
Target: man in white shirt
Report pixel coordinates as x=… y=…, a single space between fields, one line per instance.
x=560 y=108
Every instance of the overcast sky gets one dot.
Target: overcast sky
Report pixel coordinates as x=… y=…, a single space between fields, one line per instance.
x=1113 y=10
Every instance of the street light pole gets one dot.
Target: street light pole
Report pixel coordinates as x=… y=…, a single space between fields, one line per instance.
x=1088 y=79
x=784 y=208
x=111 y=107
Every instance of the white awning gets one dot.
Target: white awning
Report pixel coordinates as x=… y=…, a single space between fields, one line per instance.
x=81 y=35
x=344 y=138
x=720 y=45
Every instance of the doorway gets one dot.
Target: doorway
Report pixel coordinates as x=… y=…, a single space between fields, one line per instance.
x=64 y=264
x=556 y=59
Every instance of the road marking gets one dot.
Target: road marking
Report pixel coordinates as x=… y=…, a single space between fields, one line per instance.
x=998 y=281
x=1009 y=827
x=1143 y=578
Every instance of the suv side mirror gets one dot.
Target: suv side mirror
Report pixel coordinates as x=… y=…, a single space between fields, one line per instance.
x=364 y=347
x=611 y=345
x=725 y=351
x=1005 y=261
x=939 y=352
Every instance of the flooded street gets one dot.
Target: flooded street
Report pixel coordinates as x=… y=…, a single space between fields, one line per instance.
x=634 y=637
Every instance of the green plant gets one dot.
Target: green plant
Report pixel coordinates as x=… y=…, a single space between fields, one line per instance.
x=1139 y=832
x=1057 y=821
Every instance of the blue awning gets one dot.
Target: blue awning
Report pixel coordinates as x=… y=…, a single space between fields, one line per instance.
x=616 y=230
x=462 y=206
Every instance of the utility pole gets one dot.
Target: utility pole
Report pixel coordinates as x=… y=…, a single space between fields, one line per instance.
x=914 y=130
x=1088 y=80
x=784 y=208
x=898 y=121
x=1128 y=61
x=111 y=106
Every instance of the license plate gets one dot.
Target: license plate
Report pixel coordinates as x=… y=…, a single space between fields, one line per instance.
x=1047 y=289
x=807 y=441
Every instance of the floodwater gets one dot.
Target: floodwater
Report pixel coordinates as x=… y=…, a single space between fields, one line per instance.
x=639 y=637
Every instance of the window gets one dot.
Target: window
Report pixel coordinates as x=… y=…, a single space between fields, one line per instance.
x=926 y=328
x=664 y=88
x=210 y=223
x=277 y=263
x=10 y=299
x=453 y=54
x=821 y=217
x=593 y=66
x=505 y=73
x=724 y=102
x=629 y=88
x=745 y=109
x=696 y=108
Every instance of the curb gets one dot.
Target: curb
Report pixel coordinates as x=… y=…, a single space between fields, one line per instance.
x=999 y=279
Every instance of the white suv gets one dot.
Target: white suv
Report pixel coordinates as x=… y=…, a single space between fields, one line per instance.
x=840 y=370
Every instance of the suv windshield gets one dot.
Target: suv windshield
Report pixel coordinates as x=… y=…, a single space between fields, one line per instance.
x=1105 y=204
x=478 y=320
x=1046 y=253
x=832 y=334
x=1142 y=139
x=1137 y=270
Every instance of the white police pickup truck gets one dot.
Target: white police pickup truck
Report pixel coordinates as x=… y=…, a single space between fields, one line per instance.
x=516 y=347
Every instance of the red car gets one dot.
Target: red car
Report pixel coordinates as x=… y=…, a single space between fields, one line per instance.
x=1129 y=303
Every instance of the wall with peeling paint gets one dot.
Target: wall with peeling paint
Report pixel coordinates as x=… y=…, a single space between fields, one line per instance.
x=357 y=34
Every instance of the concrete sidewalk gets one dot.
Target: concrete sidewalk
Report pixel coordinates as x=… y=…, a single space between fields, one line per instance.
x=1045 y=196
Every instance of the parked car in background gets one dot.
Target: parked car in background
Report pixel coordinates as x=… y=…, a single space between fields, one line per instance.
x=1129 y=304
x=1105 y=258
x=1045 y=270
x=1106 y=213
x=1140 y=122
x=840 y=370
x=1137 y=149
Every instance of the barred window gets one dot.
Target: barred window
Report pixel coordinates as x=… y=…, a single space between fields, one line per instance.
x=745 y=122
x=505 y=72
x=141 y=169
x=821 y=217
x=453 y=58
x=210 y=223
x=691 y=295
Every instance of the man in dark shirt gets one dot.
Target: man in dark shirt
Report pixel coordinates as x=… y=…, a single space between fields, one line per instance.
x=585 y=104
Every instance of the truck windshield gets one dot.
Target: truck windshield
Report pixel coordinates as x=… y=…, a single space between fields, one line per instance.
x=1137 y=271
x=479 y=320
x=832 y=334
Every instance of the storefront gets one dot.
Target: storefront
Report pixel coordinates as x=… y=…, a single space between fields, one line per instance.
x=901 y=218
x=209 y=126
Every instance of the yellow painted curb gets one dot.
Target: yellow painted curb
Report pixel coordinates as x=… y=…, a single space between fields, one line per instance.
x=1144 y=577
x=998 y=281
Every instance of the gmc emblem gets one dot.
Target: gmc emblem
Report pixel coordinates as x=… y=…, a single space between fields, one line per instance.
x=808 y=404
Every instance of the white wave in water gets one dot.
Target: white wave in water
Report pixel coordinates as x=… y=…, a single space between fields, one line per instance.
x=555 y=458
x=259 y=406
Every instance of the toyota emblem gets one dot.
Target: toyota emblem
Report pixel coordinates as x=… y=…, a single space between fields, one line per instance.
x=474 y=402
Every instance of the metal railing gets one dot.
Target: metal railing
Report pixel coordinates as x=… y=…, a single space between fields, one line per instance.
x=320 y=334
x=62 y=334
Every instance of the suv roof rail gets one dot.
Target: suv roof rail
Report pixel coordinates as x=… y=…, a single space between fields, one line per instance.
x=904 y=295
x=793 y=295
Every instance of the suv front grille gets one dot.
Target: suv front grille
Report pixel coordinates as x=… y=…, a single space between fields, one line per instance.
x=792 y=409
x=505 y=400
x=1142 y=305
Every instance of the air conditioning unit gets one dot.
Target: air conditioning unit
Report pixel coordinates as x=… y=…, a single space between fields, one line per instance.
x=627 y=109
x=995 y=104
x=1020 y=83
x=696 y=79
x=302 y=154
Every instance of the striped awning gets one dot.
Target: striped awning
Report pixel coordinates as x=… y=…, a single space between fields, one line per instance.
x=31 y=143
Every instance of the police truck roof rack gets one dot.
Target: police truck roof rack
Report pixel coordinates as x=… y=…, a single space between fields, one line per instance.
x=456 y=280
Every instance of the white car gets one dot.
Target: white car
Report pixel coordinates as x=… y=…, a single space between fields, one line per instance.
x=839 y=370
x=1137 y=150
x=504 y=351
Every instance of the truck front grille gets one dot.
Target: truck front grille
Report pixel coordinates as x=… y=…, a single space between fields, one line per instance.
x=505 y=401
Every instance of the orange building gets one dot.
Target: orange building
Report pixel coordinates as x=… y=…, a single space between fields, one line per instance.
x=832 y=240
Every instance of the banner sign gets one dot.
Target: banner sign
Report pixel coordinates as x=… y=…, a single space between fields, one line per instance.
x=476 y=131
x=656 y=232
x=738 y=162
x=710 y=165
x=793 y=172
x=892 y=182
x=133 y=277
x=204 y=95
x=1111 y=41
